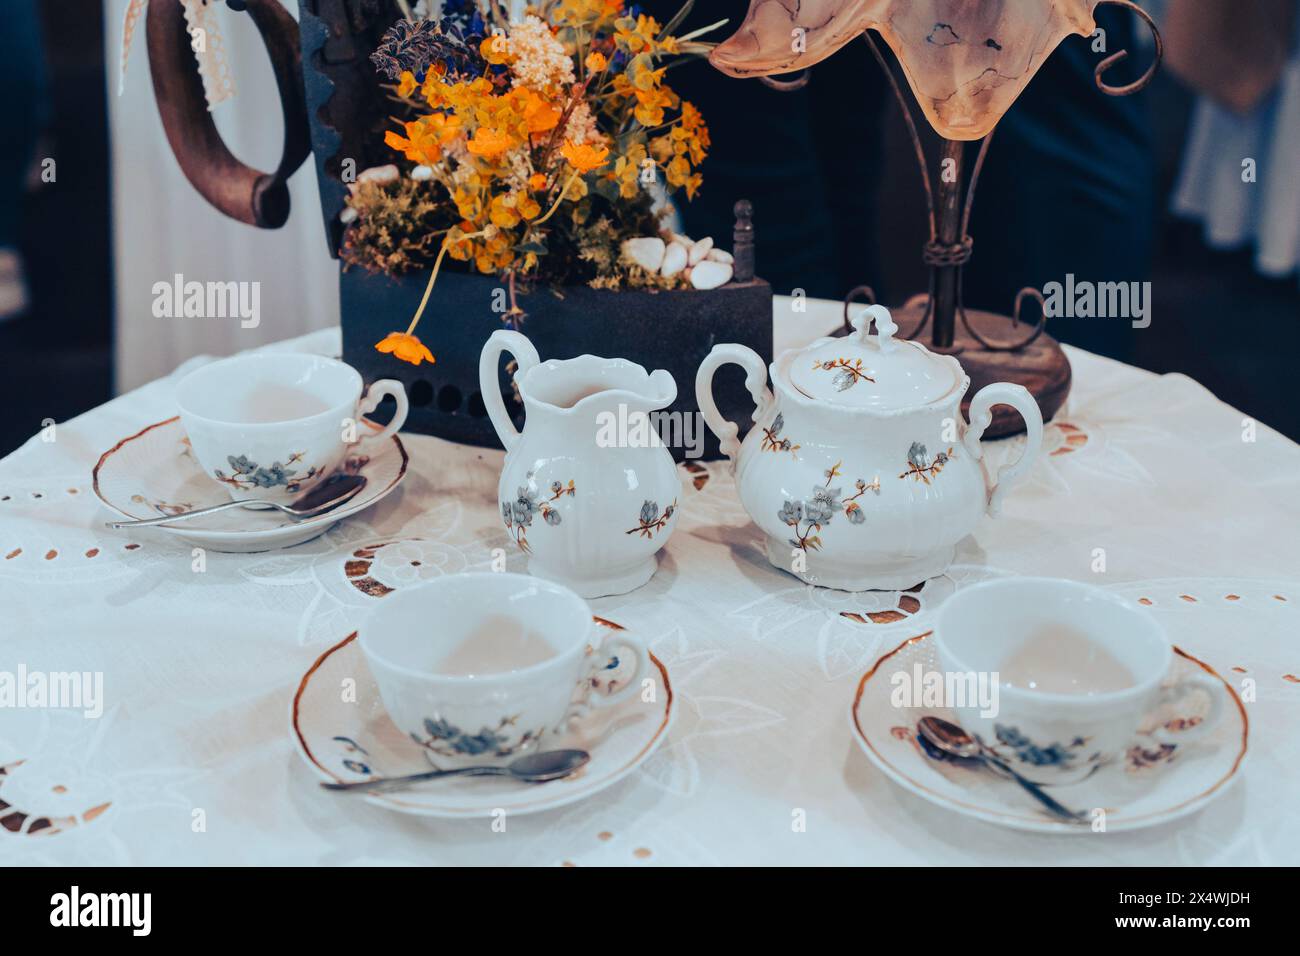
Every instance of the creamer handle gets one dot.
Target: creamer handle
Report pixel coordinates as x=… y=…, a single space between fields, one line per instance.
x=755 y=381
x=981 y=413
x=503 y=340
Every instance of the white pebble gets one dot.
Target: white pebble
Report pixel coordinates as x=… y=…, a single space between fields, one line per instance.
x=720 y=255
x=379 y=174
x=674 y=259
x=709 y=274
x=700 y=250
x=348 y=215
x=648 y=253
x=421 y=173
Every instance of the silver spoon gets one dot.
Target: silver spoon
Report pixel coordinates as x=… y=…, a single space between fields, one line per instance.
x=533 y=768
x=326 y=496
x=947 y=737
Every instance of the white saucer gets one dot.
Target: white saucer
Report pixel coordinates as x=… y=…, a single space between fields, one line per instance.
x=346 y=741
x=1152 y=785
x=153 y=472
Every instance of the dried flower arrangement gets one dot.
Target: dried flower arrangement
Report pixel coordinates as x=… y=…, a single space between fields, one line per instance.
x=532 y=150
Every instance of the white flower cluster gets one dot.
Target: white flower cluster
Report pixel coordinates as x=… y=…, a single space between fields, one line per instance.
x=539 y=59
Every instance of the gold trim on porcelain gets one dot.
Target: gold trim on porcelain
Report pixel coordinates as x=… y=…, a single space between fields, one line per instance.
x=94 y=479
x=394 y=801
x=944 y=798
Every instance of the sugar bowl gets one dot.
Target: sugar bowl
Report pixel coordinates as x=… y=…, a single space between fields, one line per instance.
x=860 y=471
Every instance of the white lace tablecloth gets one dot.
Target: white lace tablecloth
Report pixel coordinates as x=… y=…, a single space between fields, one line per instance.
x=192 y=762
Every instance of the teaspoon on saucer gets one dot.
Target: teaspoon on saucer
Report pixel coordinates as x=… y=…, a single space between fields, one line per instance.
x=952 y=741
x=328 y=495
x=532 y=768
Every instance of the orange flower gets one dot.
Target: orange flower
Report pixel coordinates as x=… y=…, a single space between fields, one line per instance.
x=596 y=61
x=406 y=347
x=420 y=148
x=425 y=137
x=586 y=157
x=489 y=144
x=395 y=140
x=406 y=85
x=539 y=115
x=537 y=181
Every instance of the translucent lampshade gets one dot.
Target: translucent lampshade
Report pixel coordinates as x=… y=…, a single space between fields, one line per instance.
x=965 y=60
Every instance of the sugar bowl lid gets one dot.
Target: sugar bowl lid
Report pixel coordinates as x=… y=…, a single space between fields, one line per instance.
x=871 y=371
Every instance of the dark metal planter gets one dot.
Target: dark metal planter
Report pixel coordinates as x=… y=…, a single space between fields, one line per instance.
x=669 y=330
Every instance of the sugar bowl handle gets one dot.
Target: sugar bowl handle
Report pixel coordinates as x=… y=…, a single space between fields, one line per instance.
x=503 y=340
x=981 y=413
x=755 y=381
x=885 y=327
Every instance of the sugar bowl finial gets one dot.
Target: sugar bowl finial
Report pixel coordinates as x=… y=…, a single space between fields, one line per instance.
x=885 y=326
x=742 y=241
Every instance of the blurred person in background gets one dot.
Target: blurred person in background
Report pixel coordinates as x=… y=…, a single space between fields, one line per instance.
x=24 y=111
x=1068 y=185
x=1240 y=172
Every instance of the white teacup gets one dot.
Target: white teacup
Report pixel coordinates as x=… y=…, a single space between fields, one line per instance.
x=477 y=668
x=1090 y=669
x=271 y=425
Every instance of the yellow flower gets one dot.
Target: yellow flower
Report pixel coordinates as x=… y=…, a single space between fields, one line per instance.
x=527 y=206
x=433 y=90
x=495 y=49
x=586 y=157
x=691 y=118
x=576 y=190
x=490 y=144
x=503 y=212
x=406 y=84
x=469 y=202
x=596 y=61
x=627 y=171
x=405 y=347
x=678 y=171
x=651 y=102
x=636 y=35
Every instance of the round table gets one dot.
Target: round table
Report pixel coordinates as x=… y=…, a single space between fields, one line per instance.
x=1148 y=486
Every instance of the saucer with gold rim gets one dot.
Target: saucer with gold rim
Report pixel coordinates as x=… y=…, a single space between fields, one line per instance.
x=352 y=740
x=1154 y=783
x=154 y=472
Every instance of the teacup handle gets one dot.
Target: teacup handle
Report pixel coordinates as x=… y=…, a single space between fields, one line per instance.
x=981 y=414
x=755 y=381
x=503 y=340
x=375 y=394
x=1196 y=683
x=609 y=658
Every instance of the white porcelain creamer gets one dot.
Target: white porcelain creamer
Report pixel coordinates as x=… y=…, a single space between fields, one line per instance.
x=590 y=503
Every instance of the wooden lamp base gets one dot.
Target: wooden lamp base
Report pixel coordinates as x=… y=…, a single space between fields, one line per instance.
x=1041 y=366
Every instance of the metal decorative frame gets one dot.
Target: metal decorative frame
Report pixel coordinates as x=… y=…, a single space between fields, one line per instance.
x=950 y=245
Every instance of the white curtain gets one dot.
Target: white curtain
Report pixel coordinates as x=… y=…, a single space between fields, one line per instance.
x=162 y=226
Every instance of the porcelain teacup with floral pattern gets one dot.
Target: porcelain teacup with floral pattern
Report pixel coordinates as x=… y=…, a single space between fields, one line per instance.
x=478 y=668
x=1091 y=670
x=272 y=425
